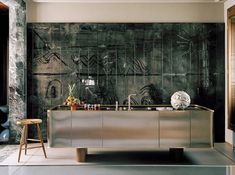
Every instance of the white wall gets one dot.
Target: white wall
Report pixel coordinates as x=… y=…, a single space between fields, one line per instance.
x=125 y=12
x=229 y=134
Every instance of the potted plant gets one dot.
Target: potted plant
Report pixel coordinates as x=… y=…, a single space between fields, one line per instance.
x=71 y=100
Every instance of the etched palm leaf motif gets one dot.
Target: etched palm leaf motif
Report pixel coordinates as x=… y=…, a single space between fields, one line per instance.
x=147 y=100
x=133 y=101
x=140 y=66
x=137 y=66
x=150 y=94
x=88 y=61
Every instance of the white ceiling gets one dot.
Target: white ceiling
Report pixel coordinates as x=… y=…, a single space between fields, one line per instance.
x=133 y=1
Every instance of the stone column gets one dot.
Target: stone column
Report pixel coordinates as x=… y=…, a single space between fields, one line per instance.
x=17 y=65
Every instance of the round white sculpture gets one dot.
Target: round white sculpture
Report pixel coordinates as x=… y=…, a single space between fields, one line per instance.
x=180 y=100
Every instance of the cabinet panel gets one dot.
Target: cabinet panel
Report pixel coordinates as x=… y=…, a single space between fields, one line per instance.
x=59 y=128
x=174 y=128
x=130 y=129
x=86 y=129
x=201 y=128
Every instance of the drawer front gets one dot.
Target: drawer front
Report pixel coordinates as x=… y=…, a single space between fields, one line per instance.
x=130 y=129
x=59 y=128
x=86 y=129
x=174 y=128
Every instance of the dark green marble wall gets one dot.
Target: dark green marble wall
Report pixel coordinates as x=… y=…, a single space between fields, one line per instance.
x=109 y=61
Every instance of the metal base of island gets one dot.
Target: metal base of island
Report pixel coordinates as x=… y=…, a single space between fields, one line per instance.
x=138 y=128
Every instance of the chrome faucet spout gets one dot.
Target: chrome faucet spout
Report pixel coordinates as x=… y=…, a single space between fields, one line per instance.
x=116 y=106
x=129 y=101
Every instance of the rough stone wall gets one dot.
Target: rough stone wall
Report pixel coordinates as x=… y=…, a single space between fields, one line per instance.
x=17 y=65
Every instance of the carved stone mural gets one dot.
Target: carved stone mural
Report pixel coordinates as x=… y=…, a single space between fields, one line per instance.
x=109 y=61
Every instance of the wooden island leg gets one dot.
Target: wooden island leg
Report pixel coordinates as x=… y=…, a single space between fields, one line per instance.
x=81 y=154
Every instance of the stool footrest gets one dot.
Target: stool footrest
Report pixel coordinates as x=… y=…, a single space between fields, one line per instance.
x=35 y=140
x=32 y=147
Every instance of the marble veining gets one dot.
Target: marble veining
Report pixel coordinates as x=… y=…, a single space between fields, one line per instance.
x=17 y=65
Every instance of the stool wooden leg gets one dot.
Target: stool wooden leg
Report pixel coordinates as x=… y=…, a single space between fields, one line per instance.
x=41 y=140
x=22 y=139
x=25 y=139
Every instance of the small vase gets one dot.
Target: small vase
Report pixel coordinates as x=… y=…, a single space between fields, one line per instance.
x=73 y=108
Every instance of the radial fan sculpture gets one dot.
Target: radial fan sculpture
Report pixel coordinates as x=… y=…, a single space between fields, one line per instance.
x=180 y=100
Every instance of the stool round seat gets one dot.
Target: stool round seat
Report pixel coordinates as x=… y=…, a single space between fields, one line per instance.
x=28 y=121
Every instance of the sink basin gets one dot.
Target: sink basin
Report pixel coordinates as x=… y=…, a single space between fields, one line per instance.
x=143 y=108
x=105 y=108
x=164 y=108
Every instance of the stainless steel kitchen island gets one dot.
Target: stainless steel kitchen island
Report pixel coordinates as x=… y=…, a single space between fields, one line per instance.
x=141 y=127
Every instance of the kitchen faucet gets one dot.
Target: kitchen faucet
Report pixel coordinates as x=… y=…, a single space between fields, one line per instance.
x=129 y=101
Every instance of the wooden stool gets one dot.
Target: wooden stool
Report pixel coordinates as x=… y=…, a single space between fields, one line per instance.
x=24 y=135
